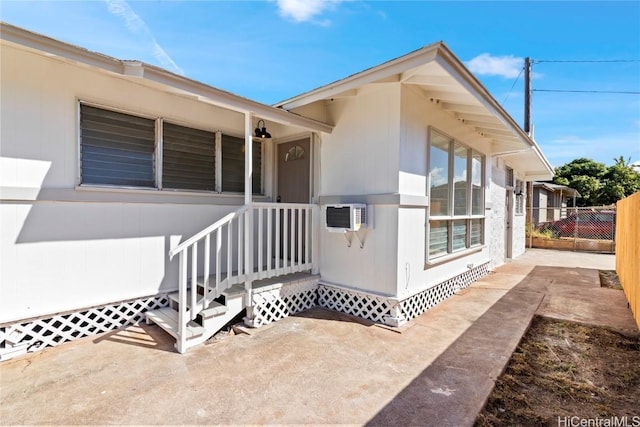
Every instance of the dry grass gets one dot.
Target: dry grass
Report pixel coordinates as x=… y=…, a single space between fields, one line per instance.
x=566 y=369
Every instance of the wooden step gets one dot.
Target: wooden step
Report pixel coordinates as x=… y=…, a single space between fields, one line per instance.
x=167 y=319
x=214 y=309
x=234 y=291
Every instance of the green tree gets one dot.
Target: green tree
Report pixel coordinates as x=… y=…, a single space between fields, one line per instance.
x=583 y=175
x=620 y=181
x=597 y=183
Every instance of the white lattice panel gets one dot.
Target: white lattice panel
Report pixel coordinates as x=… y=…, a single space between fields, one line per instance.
x=419 y=303
x=51 y=331
x=363 y=305
x=290 y=299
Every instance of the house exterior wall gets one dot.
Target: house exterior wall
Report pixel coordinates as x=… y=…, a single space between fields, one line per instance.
x=418 y=114
x=379 y=147
x=496 y=211
x=359 y=159
x=65 y=247
x=519 y=235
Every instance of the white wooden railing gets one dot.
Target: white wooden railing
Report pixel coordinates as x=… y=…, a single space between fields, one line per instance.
x=255 y=242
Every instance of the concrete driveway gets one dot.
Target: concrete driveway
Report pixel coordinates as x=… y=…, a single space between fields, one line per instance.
x=319 y=367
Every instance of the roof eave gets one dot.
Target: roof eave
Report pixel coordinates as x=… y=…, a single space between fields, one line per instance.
x=379 y=72
x=150 y=73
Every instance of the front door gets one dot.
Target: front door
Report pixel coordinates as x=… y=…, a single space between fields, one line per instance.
x=293 y=186
x=293 y=171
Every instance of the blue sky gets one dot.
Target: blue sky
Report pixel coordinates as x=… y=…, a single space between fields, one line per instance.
x=272 y=50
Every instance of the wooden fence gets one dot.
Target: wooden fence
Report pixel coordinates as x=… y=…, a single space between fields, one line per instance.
x=628 y=250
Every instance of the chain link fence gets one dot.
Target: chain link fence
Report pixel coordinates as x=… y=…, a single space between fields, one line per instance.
x=589 y=229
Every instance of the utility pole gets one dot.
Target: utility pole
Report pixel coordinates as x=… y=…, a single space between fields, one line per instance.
x=527 y=95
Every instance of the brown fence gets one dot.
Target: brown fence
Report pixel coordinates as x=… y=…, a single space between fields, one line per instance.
x=628 y=250
x=591 y=229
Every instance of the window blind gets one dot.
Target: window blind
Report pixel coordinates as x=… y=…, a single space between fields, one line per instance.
x=116 y=148
x=188 y=158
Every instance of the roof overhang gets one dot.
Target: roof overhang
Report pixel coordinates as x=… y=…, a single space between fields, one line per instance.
x=157 y=77
x=557 y=188
x=447 y=83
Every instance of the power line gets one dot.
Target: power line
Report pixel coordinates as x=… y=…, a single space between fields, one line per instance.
x=538 y=61
x=621 y=92
x=512 y=86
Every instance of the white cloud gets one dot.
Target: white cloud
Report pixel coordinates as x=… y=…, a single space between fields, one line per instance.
x=438 y=177
x=305 y=10
x=504 y=66
x=137 y=26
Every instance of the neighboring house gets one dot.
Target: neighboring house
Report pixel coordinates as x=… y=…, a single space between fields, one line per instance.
x=550 y=201
x=122 y=183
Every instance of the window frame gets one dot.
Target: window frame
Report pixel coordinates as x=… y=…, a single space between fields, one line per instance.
x=452 y=220
x=158 y=155
x=518 y=207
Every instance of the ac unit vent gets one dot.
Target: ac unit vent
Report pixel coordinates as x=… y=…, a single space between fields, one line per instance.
x=350 y=217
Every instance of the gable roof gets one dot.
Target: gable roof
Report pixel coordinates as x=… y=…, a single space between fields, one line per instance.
x=154 y=76
x=446 y=82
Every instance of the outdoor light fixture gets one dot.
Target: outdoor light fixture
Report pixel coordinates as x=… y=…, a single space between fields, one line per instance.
x=261 y=132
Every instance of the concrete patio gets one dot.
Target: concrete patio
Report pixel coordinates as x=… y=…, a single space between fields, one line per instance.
x=319 y=367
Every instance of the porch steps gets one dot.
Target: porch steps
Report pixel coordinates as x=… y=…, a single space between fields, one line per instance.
x=214 y=309
x=167 y=319
x=208 y=321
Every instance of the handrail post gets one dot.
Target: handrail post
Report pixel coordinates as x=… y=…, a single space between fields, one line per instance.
x=182 y=303
x=248 y=255
x=315 y=232
x=248 y=201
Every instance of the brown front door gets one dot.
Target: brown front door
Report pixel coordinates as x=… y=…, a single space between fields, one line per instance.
x=293 y=171
x=293 y=187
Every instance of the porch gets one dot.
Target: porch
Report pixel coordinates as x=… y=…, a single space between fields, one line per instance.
x=317 y=367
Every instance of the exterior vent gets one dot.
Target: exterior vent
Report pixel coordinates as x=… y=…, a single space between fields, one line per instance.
x=342 y=218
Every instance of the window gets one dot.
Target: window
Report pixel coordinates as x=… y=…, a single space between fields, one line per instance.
x=188 y=158
x=116 y=148
x=119 y=149
x=233 y=165
x=295 y=153
x=519 y=191
x=456 y=194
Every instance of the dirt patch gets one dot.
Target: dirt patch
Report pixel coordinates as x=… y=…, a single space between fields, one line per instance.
x=609 y=279
x=564 y=369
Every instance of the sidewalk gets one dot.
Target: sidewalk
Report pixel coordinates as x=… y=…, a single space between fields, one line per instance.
x=319 y=367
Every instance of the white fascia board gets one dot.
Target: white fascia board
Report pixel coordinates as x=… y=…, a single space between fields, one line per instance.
x=230 y=101
x=52 y=47
x=382 y=71
x=148 y=73
x=457 y=70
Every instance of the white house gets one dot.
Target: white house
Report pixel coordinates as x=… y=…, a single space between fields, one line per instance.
x=128 y=192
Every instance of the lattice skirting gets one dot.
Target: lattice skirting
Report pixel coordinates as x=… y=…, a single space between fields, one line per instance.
x=36 y=334
x=360 y=304
x=421 y=302
x=391 y=311
x=275 y=304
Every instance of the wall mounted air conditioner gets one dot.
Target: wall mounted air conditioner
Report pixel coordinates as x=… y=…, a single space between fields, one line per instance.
x=349 y=217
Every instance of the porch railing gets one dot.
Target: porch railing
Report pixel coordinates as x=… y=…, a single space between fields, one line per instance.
x=255 y=242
